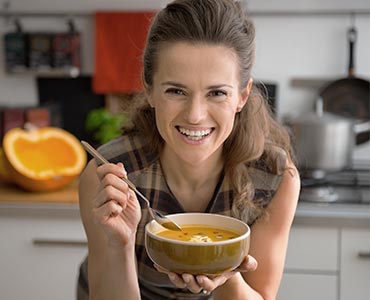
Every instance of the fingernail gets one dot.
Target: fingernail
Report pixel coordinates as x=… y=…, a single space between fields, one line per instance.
x=186 y=279
x=122 y=169
x=200 y=279
x=251 y=263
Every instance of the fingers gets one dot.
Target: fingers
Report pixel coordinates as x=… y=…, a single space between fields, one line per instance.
x=249 y=264
x=108 y=210
x=210 y=284
x=113 y=195
x=175 y=278
x=199 y=283
x=191 y=283
x=116 y=169
x=182 y=281
x=118 y=192
x=111 y=185
x=195 y=284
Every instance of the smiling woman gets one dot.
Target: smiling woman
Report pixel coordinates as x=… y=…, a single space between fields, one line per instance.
x=195 y=96
x=202 y=139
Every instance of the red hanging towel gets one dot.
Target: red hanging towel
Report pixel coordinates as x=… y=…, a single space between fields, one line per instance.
x=119 y=42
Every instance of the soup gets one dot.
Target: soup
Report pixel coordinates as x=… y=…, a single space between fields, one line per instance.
x=198 y=233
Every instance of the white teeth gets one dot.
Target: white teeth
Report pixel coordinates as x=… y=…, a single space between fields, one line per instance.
x=194 y=135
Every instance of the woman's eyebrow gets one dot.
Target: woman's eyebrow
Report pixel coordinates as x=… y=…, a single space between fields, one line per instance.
x=217 y=86
x=180 y=85
x=173 y=84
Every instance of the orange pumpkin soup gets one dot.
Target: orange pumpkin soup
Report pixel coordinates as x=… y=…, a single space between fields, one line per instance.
x=198 y=233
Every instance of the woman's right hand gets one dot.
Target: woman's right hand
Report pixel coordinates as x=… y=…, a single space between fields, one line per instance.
x=115 y=206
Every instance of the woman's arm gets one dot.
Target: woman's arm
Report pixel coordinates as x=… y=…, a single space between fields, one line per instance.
x=269 y=241
x=110 y=214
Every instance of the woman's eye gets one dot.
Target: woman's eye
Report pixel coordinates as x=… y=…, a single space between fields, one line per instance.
x=218 y=93
x=175 y=91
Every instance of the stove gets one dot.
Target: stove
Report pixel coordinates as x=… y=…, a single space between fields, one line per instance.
x=344 y=186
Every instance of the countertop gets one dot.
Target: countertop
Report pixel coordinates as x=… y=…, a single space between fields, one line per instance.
x=12 y=194
x=337 y=214
x=65 y=202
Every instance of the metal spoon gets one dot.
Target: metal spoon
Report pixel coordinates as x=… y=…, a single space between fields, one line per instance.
x=156 y=215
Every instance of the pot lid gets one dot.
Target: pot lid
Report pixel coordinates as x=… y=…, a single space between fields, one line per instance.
x=319 y=117
x=325 y=118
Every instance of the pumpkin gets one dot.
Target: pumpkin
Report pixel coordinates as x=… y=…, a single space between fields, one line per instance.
x=43 y=159
x=4 y=174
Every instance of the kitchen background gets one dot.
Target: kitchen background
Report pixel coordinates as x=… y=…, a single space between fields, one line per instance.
x=301 y=44
x=296 y=43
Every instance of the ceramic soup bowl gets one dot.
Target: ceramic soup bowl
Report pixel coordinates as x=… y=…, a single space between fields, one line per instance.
x=218 y=243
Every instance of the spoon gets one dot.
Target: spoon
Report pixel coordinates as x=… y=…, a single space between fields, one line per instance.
x=156 y=215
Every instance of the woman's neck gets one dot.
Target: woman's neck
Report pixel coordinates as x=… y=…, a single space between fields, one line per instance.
x=193 y=184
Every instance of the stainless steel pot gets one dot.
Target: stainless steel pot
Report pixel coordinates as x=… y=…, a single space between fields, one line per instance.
x=325 y=141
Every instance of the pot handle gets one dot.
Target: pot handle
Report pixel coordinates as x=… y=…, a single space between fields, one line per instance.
x=352 y=37
x=319 y=107
x=361 y=127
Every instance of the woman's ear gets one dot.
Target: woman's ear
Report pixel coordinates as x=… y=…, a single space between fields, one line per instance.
x=148 y=94
x=244 y=95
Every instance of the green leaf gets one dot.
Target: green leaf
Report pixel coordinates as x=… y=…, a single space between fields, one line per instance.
x=104 y=125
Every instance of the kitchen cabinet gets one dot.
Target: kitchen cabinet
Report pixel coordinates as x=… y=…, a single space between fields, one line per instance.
x=302 y=286
x=327 y=262
x=43 y=244
x=40 y=253
x=311 y=267
x=355 y=264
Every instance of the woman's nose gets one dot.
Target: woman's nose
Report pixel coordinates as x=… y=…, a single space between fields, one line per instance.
x=196 y=110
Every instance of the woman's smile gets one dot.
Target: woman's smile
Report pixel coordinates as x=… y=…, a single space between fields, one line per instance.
x=194 y=134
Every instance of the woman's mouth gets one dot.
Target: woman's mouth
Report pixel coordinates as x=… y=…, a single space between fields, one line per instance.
x=194 y=135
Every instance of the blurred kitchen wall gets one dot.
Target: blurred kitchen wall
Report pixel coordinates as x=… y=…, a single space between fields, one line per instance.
x=289 y=46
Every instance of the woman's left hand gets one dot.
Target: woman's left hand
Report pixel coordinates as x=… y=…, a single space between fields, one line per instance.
x=197 y=284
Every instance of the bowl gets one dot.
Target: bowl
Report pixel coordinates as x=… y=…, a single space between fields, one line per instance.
x=198 y=257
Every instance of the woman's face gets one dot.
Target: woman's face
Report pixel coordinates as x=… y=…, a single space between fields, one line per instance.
x=196 y=95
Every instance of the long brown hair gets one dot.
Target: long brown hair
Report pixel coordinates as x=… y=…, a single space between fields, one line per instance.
x=255 y=134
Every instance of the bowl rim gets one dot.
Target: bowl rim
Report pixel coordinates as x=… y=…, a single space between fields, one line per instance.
x=216 y=243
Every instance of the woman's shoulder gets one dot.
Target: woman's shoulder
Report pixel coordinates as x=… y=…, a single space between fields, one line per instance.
x=130 y=149
x=263 y=175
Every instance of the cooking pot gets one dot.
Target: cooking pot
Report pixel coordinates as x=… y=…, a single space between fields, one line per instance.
x=349 y=96
x=325 y=141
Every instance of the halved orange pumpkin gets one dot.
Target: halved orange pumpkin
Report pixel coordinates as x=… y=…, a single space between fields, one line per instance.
x=4 y=174
x=43 y=159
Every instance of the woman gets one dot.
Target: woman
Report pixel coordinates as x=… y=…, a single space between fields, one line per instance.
x=202 y=140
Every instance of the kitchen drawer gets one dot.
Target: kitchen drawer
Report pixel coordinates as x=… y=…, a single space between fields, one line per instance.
x=313 y=248
x=308 y=287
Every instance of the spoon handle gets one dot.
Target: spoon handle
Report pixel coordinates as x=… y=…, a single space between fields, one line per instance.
x=100 y=157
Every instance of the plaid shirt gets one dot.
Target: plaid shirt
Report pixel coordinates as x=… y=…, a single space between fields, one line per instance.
x=144 y=170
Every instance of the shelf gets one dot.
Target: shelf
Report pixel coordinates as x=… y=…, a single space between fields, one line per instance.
x=310 y=13
x=314 y=82
x=71 y=72
x=259 y=13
